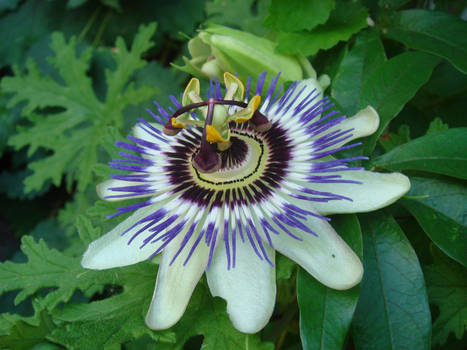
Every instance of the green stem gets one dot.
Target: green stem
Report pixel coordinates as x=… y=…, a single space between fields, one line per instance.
x=423 y=196
x=102 y=27
x=90 y=23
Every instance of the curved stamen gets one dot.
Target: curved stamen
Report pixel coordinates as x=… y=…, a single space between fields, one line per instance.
x=258 y=121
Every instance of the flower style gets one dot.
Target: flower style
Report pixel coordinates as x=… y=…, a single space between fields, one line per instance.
x=229 y=180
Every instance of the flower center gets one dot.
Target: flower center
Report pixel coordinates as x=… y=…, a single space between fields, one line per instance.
x=217 y=118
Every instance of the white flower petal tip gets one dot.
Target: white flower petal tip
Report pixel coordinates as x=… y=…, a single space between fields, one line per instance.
x=249 y=288
x=375 y=191
x=326 y=256
x=364 y=123
x=112 y=249
x=174 y=285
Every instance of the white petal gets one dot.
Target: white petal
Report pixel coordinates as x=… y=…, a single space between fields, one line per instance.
x=377 y=191
x=326 y=257
x=364 y=123
x=249 y=288
x=112 y=249
x=175 y=283
x=103 y=190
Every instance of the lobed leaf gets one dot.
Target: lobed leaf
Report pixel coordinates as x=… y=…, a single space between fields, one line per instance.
x=22 y=333
x=47 y=268
x=81 y=116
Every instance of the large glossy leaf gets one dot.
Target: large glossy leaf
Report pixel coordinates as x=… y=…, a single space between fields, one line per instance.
x=294 y=15
x=439 y=207
x=392 y=85
x=442 y=152
x=325 y=314
x=439 y=33
x=345 y=20
x=392 y=312
x=356 y=66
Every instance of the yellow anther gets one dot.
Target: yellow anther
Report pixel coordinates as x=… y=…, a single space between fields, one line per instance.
x=212 y=135
x=251 y=109
x=235 y=88
x=191 y=92
x=177 y=124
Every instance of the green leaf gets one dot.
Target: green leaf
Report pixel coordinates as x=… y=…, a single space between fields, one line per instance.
x=438 y=33
x=436 y=125
x=86 y=231
x=8 y=120
x=47 y=268
x=108 y=323
x=239 y=14
x=357 y=65
x=296 y=15
x=391 y=85
x=447 y=288
x=392 y=312
x=206 y=316
x=82 y=115
x=347 y=19
x=439 y=207
x=444 y=152
x=325 y=313
x=18 y=333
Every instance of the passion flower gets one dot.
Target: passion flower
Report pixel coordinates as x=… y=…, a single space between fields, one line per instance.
x=226 y=181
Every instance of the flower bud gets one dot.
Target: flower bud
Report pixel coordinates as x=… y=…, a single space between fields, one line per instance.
x=218 y=49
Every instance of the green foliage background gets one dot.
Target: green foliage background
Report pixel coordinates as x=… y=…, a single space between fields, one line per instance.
x=76 y=74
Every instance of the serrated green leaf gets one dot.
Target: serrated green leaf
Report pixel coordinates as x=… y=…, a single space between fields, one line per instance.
x=84 y=117
x=8 y=120
x=439 y=207
x=108 y=323
x=391 y=85
x=447 y=288
x=392 y=312
x=86 y=231
x=19 y=333
x=47 y=268
x=356 y=66
x=296 y=15
x=436 y=32
x=207 y=316
x=444 y=152
x=347 y=19
x=325 y=314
